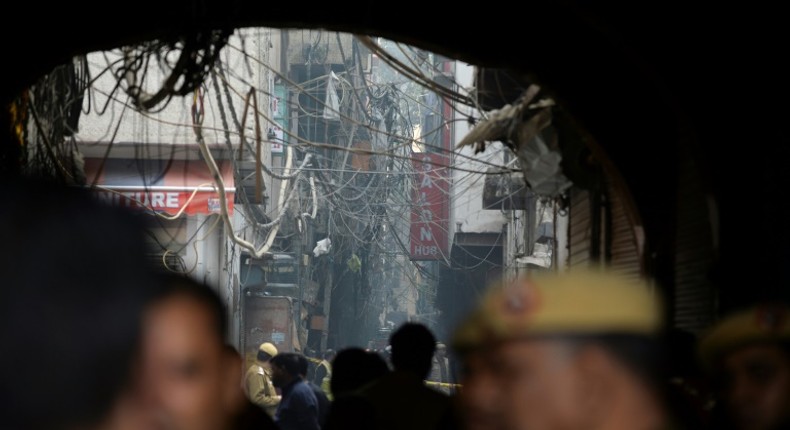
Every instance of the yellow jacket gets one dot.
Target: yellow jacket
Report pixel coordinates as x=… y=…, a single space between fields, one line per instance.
x=325 y=381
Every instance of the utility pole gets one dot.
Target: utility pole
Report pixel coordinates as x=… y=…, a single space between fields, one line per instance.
x=300 y=230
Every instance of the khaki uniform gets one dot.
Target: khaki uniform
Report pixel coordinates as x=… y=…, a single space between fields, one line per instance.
x=259 y=389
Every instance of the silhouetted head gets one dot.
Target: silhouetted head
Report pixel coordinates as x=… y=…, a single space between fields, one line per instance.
x=413 y=346
x=286 y=366
x=354 y=368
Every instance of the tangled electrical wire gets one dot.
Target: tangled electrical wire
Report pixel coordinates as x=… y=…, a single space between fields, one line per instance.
x=188 y=62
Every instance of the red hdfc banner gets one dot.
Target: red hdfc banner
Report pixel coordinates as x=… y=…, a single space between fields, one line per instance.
x=430 y=208
x=165 y=186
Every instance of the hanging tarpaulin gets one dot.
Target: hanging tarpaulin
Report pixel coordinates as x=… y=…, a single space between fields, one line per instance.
x=332 y=104
x=166 y=186
x=520 y=126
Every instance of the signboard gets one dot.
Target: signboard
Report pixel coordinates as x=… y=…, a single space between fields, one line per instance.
x=165 y=186
x=169 y=202
x=430 y=209
x=279 y=114
x=277 y=141
x=267 y=319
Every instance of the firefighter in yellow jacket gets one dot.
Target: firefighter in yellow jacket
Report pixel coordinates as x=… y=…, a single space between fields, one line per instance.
x=323 y=372
x=258 y=380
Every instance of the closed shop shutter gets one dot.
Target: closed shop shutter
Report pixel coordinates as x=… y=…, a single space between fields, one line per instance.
x=167 y=242
x=580 y=228
x=694 y=298
x=618 y=241
x=626 y=257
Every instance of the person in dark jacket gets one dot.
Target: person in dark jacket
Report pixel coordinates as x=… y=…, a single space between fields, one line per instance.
x=323 y=400
x=354 y=368
x=400 y=399
x=298 y=409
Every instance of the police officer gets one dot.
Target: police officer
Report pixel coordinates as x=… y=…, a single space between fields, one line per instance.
x=258 y=380
x=576 y=350
x=748 y=356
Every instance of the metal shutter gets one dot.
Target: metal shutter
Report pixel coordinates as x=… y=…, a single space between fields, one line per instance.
x=694 y=301
x=626 y=257
x=580 y=228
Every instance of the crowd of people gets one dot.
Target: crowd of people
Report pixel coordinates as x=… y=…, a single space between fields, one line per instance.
x=97 y=339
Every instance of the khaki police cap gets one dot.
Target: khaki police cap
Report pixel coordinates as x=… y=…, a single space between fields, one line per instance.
x=268 y=348
x=576 y=302
x=763 y=323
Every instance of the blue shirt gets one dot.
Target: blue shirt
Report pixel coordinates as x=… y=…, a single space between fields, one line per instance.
x=298 y=409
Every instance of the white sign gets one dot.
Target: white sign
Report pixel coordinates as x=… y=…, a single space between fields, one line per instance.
x=277 y=142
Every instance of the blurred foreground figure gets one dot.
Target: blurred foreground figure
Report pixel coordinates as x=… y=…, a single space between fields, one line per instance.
x=191 y=380
x=352 y=369
x=748 y=355
x=563 y=351
x=75 y=283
